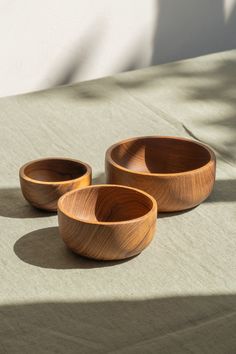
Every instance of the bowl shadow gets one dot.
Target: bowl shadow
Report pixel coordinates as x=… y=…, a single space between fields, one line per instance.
x=44 y=248
x=162 y=215
x=99 y=179
x=13 y=205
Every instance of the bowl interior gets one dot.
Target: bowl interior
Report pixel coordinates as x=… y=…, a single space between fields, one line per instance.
x=55 y=170
x=106 y=204
x=160 y=155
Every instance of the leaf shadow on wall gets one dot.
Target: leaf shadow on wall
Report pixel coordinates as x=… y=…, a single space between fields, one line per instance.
x=189 y=28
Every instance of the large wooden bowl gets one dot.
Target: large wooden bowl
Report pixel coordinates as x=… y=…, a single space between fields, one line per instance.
x=107 y=222
x=179 y=173
x=44 y=181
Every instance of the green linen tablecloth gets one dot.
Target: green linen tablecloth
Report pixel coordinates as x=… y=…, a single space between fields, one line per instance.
x=179 y=295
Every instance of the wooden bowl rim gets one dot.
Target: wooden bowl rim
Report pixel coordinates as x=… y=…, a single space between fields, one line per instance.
x=29 y=179
x=110 y=149
x=71 y=216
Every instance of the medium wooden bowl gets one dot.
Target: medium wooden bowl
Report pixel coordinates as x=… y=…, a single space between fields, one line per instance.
x=44 y=181
x=107 y=222
x=179 y=173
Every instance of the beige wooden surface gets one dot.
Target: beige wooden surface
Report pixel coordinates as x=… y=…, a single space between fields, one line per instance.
x=179 y=295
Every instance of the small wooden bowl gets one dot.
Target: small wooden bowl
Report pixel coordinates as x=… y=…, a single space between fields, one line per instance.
x=44 y=181
x=179 y=173
x=107 y=222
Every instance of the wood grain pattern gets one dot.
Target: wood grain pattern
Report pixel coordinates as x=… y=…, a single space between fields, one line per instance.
x=179 y=173
x=44 y=181
x=107 y=222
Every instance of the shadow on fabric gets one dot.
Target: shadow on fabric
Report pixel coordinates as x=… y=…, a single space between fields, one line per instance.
x=44 y=248
x=193 y=324
x=13 y=205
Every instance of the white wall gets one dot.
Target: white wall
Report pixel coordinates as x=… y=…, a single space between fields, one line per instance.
x=47 y=43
